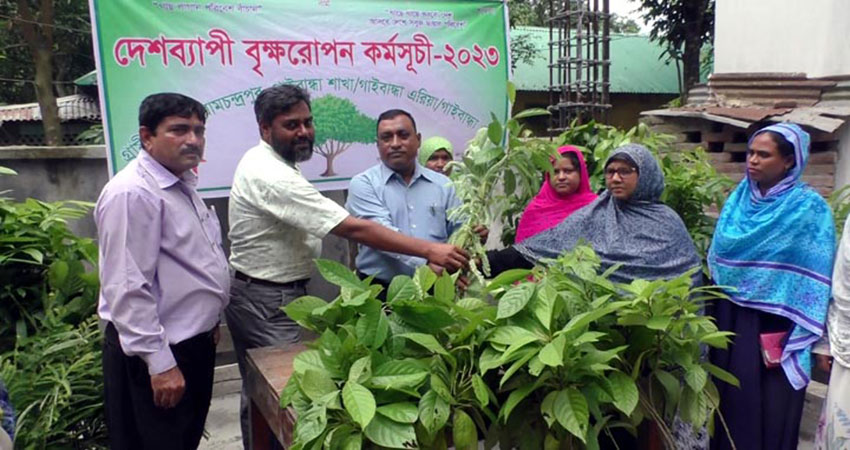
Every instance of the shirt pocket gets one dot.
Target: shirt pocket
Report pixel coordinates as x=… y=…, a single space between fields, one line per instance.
x=437 y=222
x=212 y=227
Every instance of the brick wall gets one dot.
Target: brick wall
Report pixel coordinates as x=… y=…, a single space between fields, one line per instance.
x=727 y=147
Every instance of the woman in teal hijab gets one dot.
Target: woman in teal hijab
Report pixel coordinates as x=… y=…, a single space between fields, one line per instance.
x=772 y=254
x=435 y=153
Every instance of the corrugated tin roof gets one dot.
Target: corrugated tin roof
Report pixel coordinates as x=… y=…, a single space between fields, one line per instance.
x=836 y=96
x=813 y=117
x=89 y=79
x=768 y=89
x=699 y=94
x=693 y=113
x=72 y=107
x=748 y=114
x=741 y=99
x=635 y=65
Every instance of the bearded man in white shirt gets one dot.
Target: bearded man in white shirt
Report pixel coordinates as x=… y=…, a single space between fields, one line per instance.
x=277 y=220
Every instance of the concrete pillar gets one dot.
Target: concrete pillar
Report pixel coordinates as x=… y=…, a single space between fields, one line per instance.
x=842 y=166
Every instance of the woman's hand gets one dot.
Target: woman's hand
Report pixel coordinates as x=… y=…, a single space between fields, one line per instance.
x=482 y=232
x=823 y=362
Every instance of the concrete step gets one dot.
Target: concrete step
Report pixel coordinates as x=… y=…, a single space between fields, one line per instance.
x=223 y=431
x=730 y=167
x=815 y=396
x=819 y=180
x=689 y=146
x=226 y=380
x=738 y=147
x=225 y=343
x=726 y=135
x=823 y=158
x=722 y=157
x=820 y=169
x=824 y=191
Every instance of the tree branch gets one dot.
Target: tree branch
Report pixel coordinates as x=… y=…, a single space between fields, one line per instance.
x=13 y=46
x=342 y=148
x=27 y=27
x=321 y=149
x=47 y=16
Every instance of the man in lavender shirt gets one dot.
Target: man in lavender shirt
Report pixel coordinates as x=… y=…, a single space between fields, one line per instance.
x=164 y=283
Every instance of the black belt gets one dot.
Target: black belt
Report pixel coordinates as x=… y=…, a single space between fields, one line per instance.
x=249 y=279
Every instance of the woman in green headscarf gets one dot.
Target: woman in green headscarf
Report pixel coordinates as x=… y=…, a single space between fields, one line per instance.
x=435 y=153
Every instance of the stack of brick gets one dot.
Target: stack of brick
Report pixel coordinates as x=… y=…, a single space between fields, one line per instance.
x=726 y=145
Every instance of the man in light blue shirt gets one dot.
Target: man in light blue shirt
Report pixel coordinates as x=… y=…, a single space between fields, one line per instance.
x=402 y=195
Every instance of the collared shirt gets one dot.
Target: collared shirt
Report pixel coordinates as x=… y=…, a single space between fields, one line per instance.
x=163 y=272
x=419 y=209
x=277 y=218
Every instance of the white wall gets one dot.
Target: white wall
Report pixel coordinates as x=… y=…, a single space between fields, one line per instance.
x=842 y=166
x=810 y=36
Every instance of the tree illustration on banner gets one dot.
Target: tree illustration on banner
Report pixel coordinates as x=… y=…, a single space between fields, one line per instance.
x=339 y=125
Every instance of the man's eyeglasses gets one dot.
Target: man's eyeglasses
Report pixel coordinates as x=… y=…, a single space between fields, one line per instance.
x=623 y=172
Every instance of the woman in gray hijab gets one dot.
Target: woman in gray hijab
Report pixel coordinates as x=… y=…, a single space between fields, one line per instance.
x=626 y=225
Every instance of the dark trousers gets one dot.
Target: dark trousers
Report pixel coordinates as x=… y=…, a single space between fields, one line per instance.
x=132 y=419
x=765 y=412
x=255 y=319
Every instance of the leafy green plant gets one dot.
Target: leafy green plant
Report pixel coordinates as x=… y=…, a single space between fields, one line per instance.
x=496 y=158
x=44 y=268
x=839 y=202
x=696 y=191
x=586 y=356
x=55 y=382
x=388 y=375
x=49 y=338
x=93 y=135
x=553 y=362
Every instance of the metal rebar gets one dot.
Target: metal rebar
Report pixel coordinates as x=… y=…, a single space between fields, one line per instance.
x=579 y=70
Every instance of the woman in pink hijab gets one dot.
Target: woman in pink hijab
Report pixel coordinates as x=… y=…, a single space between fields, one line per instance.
x=563 y=193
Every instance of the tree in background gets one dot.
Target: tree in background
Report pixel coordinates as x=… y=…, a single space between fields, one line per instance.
x=523 y=50
x=683 y=27
x=44 y=44
x=339 y=125
x=50 y=345
x=623 y=25
x=525 y=13
x=534 y=13
x=528 y=13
